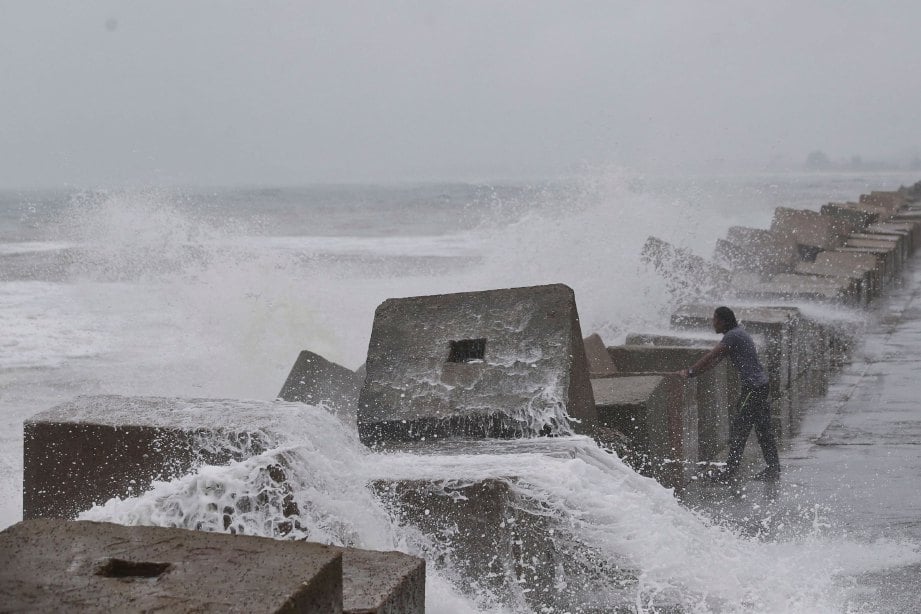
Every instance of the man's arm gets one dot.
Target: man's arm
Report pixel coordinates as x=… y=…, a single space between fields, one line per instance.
x=707 y=361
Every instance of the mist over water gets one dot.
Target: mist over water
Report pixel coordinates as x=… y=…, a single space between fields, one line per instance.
x=214 y=293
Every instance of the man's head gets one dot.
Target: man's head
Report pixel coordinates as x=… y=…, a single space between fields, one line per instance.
x=724 y=319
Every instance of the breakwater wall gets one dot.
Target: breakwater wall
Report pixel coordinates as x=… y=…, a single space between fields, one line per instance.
x=455 y=372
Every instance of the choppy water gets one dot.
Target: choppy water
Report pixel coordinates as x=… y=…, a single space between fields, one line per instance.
x=212 y=293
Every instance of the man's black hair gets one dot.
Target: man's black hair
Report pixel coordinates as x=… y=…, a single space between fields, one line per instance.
x=726 y=316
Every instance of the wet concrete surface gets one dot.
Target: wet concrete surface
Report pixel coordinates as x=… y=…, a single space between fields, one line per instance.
x=853 y=466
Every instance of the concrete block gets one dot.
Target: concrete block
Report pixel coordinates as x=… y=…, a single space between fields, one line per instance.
x=809 y=228
x=863 y=268
x=843 y=288
x=596 y=354
x=53 y=566
x=94 y=448
x=382 y=582
x=699 y=340
x=891 y=200
x=909 y=228
x=659 y=414
x=759 y=250
x=885 y=260
x=902 y=239
x=793 y=287
x=880 y=243
x=500 y=540
x=712 y=387
x=314 y=380
x=857 y=218
x=776 y=324
x=501 y=363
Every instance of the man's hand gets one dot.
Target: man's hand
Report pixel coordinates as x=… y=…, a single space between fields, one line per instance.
x=683 y=373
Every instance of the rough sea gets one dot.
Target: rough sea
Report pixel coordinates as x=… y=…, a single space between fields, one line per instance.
x=212 y=292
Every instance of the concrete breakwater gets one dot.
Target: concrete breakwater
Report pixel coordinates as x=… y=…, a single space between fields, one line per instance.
x=456 y=371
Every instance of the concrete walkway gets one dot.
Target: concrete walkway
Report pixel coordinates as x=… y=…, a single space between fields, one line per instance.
x=855 y=464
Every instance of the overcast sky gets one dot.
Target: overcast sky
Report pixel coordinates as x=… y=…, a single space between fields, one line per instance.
x=96 y=93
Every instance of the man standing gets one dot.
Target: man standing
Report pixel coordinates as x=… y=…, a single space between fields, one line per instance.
x=754 y=405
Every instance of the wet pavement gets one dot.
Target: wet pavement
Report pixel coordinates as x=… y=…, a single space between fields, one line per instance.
x=854 y=465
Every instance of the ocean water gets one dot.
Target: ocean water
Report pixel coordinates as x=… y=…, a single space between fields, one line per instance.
x=213 y=292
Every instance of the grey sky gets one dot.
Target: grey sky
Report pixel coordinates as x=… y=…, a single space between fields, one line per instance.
x=113 y=93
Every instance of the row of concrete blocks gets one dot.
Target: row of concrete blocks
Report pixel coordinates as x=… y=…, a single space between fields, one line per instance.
x=53 y=565
x=675 y=424
x=843 y=254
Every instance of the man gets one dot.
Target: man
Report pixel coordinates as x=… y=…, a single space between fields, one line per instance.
x=754 y=405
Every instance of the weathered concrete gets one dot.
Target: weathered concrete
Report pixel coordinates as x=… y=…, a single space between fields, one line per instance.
x=314 y=380
x=887 y=199
x=881 y=243
x=712 y=387
x=864 y=267
x=52 y=566
x=901 y=238
x=885 y=259
x=789 y=286
x=857 y=218
x=596 y=354
x=94 y=448
x=909 y=228
x=482 y=524
x=501 y=363
x=809 y=228
x=759 y=250
x=659 y=413
x=382 y=582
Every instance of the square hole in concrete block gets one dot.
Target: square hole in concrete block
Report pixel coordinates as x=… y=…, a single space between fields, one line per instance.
x=120 y=568
x=467 y=350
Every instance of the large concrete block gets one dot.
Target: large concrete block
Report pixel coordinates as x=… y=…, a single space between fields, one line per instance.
x=758 y=250
x=902 y=240
x=891 y=200
x=809 y=228
x=94 y=448
x=885 y=260
x=659 y=414
x=314 y=380
x=864 y=268
x=501 y=363
x=857 y=218
x=712 y=387
x=910 y=229
x=881 y=243
x=54 y=566
x=596 y=354
x=776 y=324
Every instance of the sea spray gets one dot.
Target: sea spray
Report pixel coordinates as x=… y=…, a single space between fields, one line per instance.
x=604 y=516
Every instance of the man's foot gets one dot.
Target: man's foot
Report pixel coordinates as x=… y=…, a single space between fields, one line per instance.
x=768 y=475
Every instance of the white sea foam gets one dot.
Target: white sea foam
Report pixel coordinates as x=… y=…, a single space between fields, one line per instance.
x=41 y=327
x=595 y=499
